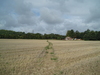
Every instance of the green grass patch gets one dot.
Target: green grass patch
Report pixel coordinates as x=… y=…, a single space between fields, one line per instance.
x=52 y=53
x=54 y=58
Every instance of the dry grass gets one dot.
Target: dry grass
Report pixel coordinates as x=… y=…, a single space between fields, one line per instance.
x=20 y=57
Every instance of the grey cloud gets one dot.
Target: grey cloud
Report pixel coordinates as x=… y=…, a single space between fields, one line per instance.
x=95 y=26
x=81 y=1
x=17 y=15
x=25 y=14
x=94 y=11
x=23 y=8
x=53 y=16
x=26 y=20
x=10 y=21
x=61 y=5
x=50 y=16
x=94 y=15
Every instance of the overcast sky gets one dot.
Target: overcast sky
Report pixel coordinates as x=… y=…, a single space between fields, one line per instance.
x=49 y=16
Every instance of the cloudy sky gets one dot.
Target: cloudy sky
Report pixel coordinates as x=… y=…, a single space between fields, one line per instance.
x=49 y=16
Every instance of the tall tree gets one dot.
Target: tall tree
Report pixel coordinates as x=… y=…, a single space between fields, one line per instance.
x=70 y=33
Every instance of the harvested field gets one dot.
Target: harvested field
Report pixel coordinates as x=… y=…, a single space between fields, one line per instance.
x=20 y=57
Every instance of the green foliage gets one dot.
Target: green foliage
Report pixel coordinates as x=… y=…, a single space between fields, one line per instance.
x=70 y=33
x=8 y=34
x=7 y=63
x=54 y=58
x=52 y=53
x=47 y=52
x=61 y=72
x=47 y=47
x=86 y=35
x=0 y=54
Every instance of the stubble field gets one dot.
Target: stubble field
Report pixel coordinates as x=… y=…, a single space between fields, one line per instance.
x=21 y=57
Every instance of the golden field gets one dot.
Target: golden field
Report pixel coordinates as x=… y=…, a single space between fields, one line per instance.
x=20 y=57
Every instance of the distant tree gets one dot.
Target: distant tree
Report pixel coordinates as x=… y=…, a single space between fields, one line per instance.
x=86 y=35
x=70 y=33
x=77 y=34
x=92 y=35
x=97 y=35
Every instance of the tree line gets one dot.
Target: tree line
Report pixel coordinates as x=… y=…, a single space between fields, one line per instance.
x=9 y=34
x=86 y=35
